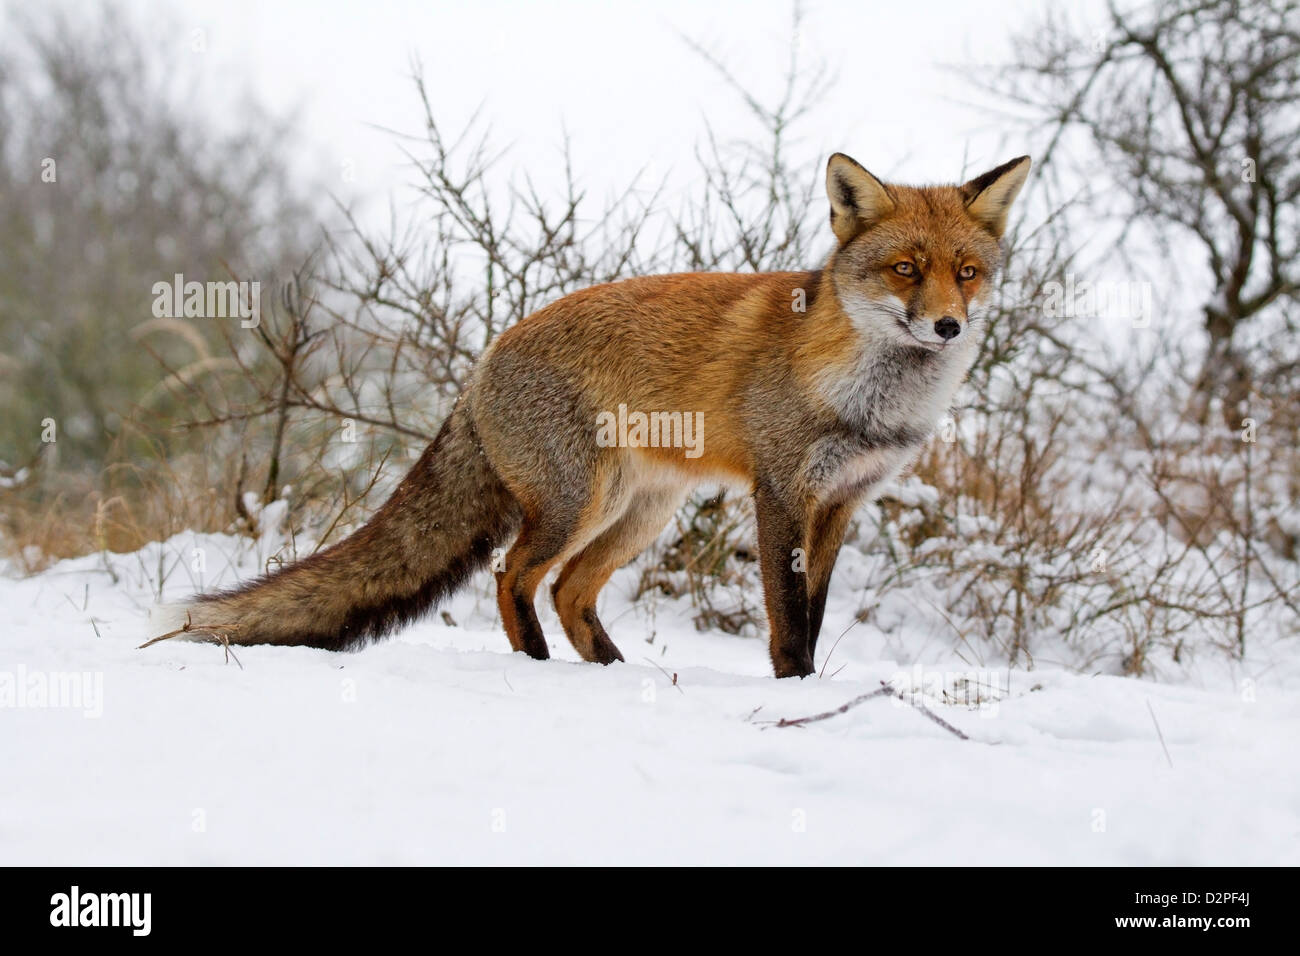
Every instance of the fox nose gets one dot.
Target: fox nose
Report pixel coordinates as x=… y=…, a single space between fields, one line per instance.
x=947 y=327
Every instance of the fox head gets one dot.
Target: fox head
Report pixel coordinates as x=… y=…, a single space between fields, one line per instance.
x=914 y=263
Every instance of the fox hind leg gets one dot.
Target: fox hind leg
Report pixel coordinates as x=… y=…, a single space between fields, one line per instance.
x=549 y=536
x=582 y=578
x=541 y=543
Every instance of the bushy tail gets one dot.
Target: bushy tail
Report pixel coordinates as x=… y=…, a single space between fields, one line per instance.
x=439 y=526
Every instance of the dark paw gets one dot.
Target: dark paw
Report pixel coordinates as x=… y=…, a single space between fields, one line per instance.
x=793 y=665
x=536 y=648
x=604 y=651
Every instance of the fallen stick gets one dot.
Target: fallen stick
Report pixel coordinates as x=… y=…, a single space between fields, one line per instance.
x=842 y=709
x=925 y=710
x=884 y=690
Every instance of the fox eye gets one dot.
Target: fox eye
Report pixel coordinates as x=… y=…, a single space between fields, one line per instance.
x=905 y=268
x=967 y=272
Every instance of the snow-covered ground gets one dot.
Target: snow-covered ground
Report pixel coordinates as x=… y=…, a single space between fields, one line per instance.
x=439 y=746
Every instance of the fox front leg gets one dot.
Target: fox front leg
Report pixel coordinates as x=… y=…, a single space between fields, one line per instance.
x=782 y=531
x=823 y=547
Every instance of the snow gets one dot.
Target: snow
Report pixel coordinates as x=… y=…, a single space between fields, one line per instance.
x=439 y=746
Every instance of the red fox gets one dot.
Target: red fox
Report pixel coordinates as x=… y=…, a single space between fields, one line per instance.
x=583 y=428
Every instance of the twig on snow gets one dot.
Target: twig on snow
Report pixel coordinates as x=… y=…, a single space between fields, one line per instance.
x=842 y=709
x=884 y=690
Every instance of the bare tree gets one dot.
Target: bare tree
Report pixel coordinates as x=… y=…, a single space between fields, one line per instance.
x=111 y=181
x=1190 y=109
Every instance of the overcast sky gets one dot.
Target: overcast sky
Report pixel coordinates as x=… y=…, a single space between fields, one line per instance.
x=617 y=75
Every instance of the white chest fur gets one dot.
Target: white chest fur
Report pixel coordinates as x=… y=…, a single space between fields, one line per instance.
x=888 y=402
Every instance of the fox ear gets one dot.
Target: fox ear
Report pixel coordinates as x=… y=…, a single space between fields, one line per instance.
x=858 y=199
x=989 y=197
